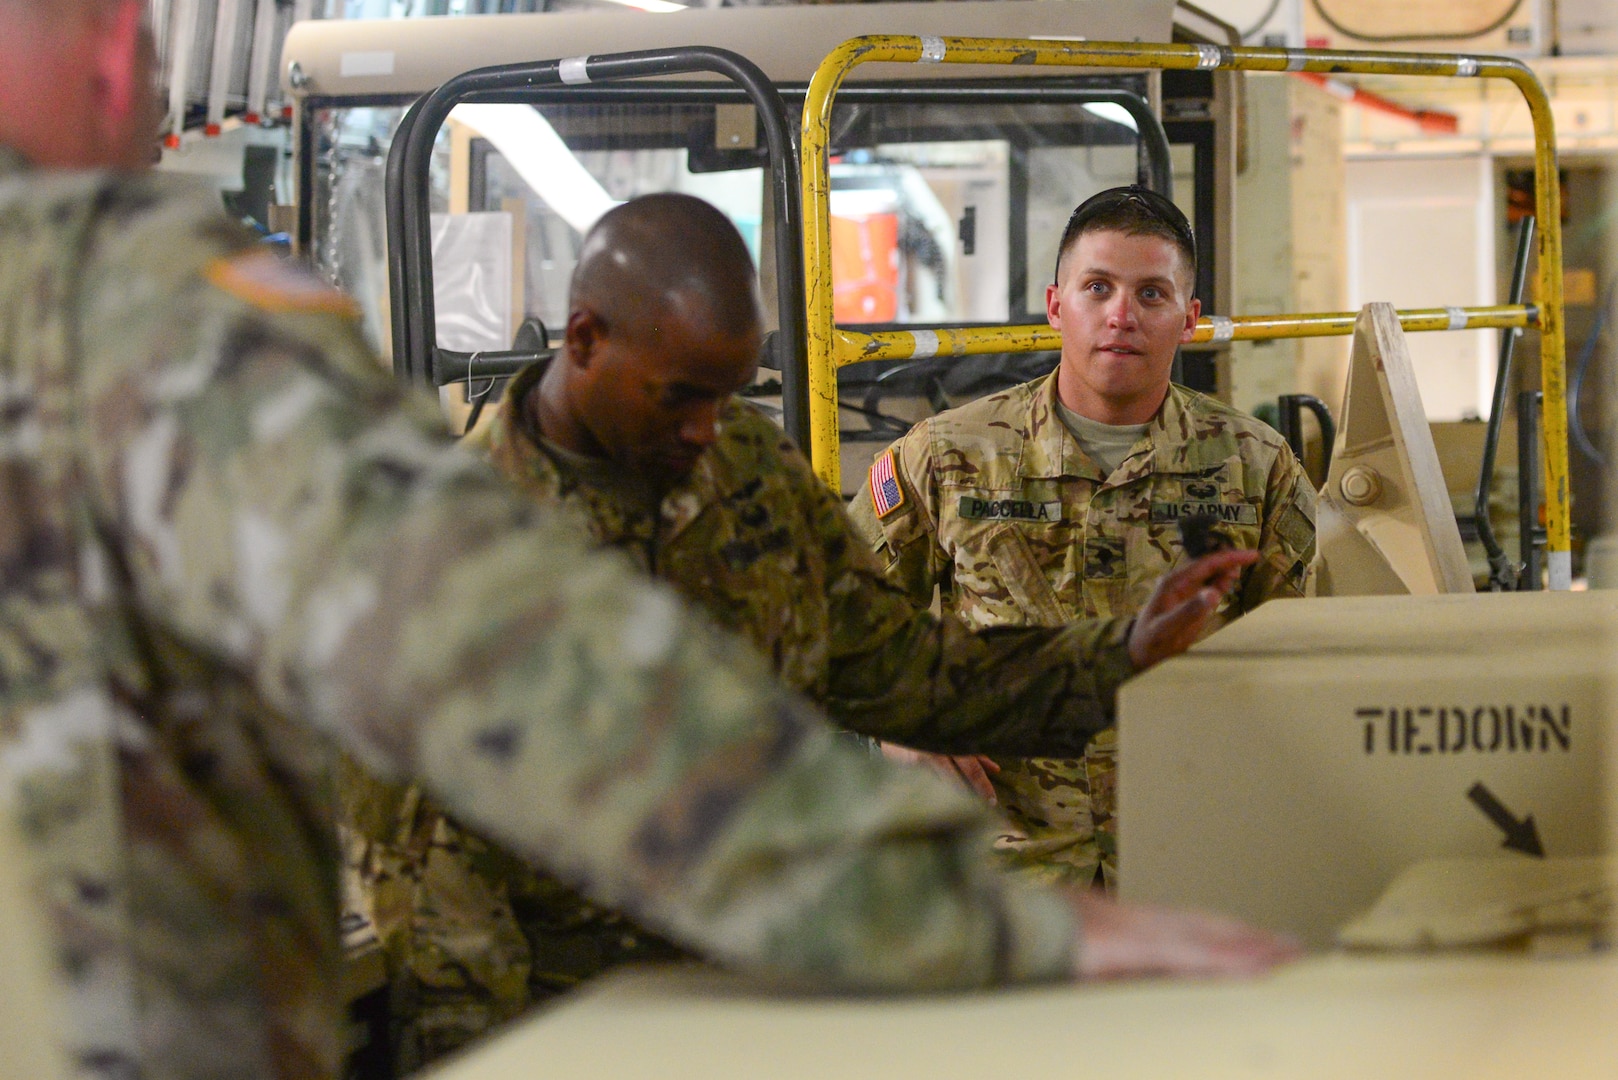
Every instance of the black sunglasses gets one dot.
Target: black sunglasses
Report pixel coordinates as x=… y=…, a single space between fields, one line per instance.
x=1157 y=207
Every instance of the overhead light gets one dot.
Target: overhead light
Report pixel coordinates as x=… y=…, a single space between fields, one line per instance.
x=1113 y=112
x=659 y=6
x=533 y=148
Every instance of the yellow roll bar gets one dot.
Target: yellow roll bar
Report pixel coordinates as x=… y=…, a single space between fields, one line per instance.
x=852 y=346
x=831 y=346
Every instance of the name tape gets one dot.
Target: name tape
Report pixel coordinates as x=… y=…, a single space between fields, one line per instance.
x=973 y=508
x=1233 y=513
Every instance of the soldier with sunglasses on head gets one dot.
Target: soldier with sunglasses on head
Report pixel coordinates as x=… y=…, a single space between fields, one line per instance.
x=1062 y=498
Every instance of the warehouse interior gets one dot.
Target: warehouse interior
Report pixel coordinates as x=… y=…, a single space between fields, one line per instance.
x=1367 y=183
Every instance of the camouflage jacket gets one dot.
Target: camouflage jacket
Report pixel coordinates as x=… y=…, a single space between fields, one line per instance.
x=231 y=542
x=999 y=508
x=754 y=538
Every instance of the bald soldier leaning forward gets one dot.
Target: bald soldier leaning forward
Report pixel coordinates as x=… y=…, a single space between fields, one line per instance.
x=635 y=428
x=1060 y=499
x=231 y=544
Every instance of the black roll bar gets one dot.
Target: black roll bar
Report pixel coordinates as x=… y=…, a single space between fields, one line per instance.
x=1502 y=574
x=416 y=355
x=1290 y=423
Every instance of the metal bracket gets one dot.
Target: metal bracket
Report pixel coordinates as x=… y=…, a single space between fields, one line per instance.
x=1385 y=525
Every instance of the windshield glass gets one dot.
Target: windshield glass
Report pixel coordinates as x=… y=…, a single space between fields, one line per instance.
x=943 y=212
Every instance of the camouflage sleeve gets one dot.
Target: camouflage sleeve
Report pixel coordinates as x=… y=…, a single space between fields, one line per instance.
x=900 y=673
x=1287 y=539
x=284 y=508
x=904 y=536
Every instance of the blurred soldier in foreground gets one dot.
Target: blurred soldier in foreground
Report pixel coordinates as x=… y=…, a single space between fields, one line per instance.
x=1060 y=499
x=230 y=544
x=635 y=427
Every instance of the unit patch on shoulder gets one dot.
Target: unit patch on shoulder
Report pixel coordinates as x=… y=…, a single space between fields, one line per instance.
x=277 y=285
x=886 y=493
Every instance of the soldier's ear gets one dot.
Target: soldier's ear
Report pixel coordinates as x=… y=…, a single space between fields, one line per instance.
x=1053 y=306
x=1193 y=312
x=584 y=336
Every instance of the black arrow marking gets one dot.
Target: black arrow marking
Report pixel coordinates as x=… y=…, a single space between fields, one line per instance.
x=1521 y=835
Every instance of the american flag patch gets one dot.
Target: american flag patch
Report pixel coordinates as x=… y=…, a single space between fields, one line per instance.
x=886 y=494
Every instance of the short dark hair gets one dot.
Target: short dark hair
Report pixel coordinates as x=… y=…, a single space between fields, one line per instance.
x=676 y=244
x=1135 y=210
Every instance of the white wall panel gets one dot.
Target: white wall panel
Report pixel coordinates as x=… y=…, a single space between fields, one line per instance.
x=1419 y=235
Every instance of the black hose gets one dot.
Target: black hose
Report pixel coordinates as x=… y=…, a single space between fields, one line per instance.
x=1575 y=390
x=1503 y=575
x=1320 y=9
x=1262 y=20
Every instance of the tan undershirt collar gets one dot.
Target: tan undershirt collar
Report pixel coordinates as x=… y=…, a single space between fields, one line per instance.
x=1107 y=445
x=603 y=476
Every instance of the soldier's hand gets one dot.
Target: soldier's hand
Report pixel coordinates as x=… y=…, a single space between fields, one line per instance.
x=1120 y=941
x=973 y=770
x=969 y=769
x=1179 y=606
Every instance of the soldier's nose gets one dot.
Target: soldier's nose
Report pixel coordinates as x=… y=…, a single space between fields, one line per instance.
x=1121 y=312
x=702 y=429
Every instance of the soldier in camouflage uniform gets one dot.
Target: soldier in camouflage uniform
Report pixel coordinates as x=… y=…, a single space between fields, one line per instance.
x=231 y=544
x=1059 y=499
x=647 y=445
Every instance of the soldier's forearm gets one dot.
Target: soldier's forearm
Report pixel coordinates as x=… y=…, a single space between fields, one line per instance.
x=284 y=510
x=1007 y=691
x=824 y=885
x=691 y=792
x=570 y=708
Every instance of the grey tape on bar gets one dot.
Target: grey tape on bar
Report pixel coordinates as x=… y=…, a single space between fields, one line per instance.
x=1296 y=59
x=1457 y=318
x=932 y=49
x=1224 y=329
x=1466 y=66
x=1208 y=56
x=573 y=70
x=1559 y=570
x=926 y=344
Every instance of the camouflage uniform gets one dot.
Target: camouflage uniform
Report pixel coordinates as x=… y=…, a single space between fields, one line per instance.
x=229 y=543
x=1007 y=516
x=753 y=537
